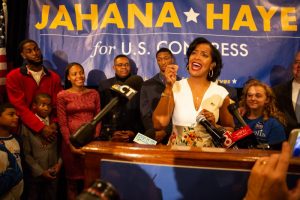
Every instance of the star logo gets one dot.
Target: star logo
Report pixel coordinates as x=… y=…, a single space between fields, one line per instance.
x=191 y=15
x=234 y=81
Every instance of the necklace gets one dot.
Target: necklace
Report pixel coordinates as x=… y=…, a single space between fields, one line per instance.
x=197 y=103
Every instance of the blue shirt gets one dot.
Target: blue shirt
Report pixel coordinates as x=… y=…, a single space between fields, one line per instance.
x=270 y=131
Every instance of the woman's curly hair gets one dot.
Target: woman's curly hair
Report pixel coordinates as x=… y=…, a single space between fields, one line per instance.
x=270 y=109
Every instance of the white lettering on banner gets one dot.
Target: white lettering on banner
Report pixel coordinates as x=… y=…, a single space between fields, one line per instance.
x=127 y=49
x=176 y=47
x=102 y=49
x=168 y=15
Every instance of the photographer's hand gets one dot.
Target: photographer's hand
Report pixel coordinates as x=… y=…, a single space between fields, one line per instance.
x=267 y=180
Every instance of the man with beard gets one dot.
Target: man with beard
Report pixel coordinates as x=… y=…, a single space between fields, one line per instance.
x=123 y=122
x=24 y=83
x=150 y=95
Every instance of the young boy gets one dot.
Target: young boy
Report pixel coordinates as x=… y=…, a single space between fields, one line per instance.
x=41 y=156
x=11 y=181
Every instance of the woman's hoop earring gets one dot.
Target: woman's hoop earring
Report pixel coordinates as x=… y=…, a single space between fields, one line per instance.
x=211 y=73
x=187 y=67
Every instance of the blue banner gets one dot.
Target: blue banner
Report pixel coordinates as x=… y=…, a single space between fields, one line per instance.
x=256 y=38
x=168 y=182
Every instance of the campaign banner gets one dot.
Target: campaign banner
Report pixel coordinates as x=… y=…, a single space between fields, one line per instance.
x=257 y=39
x=134 y=180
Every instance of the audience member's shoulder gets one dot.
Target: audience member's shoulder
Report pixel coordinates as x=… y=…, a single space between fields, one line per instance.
x=284 y=84
x=13 y=72
x=61 y=93
x=179 y=84
x=150 y=81
x=271 y=120
x=93 y=91
x=51 y=72
x=106 y=83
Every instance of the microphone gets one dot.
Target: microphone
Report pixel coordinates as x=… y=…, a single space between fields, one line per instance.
x=217 y=136
x=233 y=109
x=244 y=136
x=128 y=90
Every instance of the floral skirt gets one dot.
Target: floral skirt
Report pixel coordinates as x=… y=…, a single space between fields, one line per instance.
x=190 y=136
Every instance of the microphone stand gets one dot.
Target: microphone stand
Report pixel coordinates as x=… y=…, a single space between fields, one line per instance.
x=87 y=131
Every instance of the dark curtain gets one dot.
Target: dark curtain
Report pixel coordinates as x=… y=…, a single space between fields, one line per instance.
x=16 y=30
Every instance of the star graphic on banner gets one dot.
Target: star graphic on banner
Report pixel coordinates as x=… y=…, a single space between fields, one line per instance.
x=191 y=15
x=234 y=81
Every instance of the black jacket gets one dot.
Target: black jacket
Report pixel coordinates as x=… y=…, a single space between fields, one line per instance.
x=150 y=96
x=124 y=116
x=283 y=93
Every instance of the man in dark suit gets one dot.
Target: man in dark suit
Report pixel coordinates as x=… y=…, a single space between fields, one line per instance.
x=287 y=95
x=150 y=95
x=123 y=122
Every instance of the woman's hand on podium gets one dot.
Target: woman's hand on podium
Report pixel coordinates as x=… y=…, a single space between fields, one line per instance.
x=122 y=136
x=159 y=135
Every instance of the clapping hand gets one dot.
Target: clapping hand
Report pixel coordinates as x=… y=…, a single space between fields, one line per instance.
x=122 y=136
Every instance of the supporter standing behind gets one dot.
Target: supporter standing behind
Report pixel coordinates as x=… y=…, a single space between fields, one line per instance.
x=288 y=97
x=76 y=105
x=9 y=121
x=150 y=95
x=31 y=78
x=184 y=100
x=41 y=156
x=262 y=115
x=123 y=122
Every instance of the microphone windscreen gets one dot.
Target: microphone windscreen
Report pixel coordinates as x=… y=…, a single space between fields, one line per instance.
x=232 y=108
x=134 y=82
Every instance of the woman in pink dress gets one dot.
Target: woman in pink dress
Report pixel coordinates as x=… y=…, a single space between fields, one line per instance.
x=76 y=105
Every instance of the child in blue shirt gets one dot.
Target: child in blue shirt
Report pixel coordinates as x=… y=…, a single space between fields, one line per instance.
x=11 y=178
x=262 y=115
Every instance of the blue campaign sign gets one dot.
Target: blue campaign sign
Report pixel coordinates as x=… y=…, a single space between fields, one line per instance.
x=256 y=38
x=156 y=182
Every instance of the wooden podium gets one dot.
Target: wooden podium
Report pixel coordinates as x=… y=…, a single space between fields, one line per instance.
x=240 y=159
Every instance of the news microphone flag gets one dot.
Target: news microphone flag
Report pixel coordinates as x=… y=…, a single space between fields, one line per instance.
x=85 y=133
x=3 y=64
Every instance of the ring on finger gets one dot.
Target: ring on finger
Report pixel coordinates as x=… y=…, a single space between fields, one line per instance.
x=263 y=162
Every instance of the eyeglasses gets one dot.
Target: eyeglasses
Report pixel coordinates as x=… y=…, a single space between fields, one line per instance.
x=122 y=64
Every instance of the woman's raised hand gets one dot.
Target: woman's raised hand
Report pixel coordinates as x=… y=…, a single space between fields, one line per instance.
x=171 y=74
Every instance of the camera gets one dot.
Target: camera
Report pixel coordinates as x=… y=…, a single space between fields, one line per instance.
x=99 y=190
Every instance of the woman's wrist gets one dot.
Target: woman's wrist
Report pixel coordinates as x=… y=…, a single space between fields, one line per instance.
x=168 y=91
x=163 y=94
